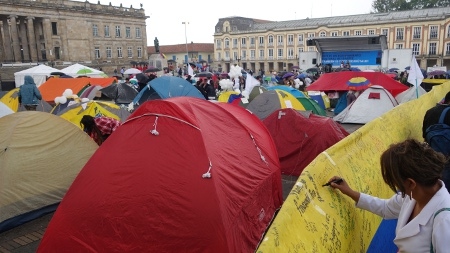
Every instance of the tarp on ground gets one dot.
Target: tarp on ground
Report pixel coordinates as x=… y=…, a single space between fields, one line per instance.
x=147 y=188
x=299 y=138
x=11 y=99
x=39 y=74
x=318 y=219
x=337 y=81
x=55 y=87
x=40 y=156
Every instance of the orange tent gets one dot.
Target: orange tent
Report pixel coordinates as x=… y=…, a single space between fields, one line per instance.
x=103 y=82
x=55 y=87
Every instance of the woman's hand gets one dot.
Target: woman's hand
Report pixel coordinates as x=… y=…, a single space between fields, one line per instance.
x=343 y=187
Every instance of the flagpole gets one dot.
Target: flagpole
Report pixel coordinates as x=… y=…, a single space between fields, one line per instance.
x=417 y=90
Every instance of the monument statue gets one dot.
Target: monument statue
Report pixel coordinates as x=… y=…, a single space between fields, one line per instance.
x=156 y=42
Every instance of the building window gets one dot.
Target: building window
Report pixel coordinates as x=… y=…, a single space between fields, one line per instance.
x=280 y=40
x=227 y=43
x=227 y=55
x=417 y=32
x=95 y=30
x=139 y=52
x=219 y=56
x=415 y=48
x=130 y=52
x=447 y=49
x=346 y=33
x=371 y=32
x=117 y=30
x=97 y=52
x=235 y=43
x=300 y=39
x=261 y=54
x=261 y=40
x=290 y=39
x=252 y=41
x=270 y=53
x=448 y=31
x=311 y=49
x=270 y=40
x=290 y=53
x=280 y=53
x=127 y=32
x=138 y=32
x=300 y=50
x=235 y=56
x=252 y=54
x=107 y=31
x=108 y=52
x=385 y=32
x=399 y=33
x=399 y=46
x=434 y=32
x=358 y=33
x=243 y=42
x=218 y=43
x=54 y=28
x=432 y=48
x=243 y=54
x=119 y=52
x=334 y=34
x=311 y=35
x=322 y=34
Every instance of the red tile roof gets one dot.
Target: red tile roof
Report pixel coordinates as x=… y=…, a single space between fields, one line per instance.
x=181 y=48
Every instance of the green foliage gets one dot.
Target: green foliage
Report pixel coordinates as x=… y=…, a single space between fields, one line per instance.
x=402 y=5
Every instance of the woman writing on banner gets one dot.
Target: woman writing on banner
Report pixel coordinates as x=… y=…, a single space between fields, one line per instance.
x=413 y=170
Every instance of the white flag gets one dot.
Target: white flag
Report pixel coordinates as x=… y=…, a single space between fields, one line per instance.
x=415 y=75
x=190 y=70
x=250 y=83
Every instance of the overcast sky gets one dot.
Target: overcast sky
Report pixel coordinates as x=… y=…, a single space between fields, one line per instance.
x=166 y=17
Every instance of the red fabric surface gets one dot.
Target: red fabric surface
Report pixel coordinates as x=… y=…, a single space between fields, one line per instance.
x=106 y=125
x=145 y=193
x=374 y=95
x=338 y=81
x=299 y=139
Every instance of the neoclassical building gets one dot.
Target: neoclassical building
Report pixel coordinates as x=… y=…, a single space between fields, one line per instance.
x=277 y=45
x=69 y=31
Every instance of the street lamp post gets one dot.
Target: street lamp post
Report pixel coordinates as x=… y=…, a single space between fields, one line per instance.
x=185 y=36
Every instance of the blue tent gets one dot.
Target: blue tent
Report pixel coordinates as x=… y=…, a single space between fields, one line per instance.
x=341 y=104
x=165 y=87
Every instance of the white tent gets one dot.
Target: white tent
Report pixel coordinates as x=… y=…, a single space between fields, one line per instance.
x=81 y=70
x=372 y=103
x=4 y=110
x=39 y=74
x=410 y=94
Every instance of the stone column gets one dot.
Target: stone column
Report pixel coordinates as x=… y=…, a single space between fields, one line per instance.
x=15 y=38
x=2 y=50
x=24 y=40
x=32 y=39
x=8 y=56
x=48 y=39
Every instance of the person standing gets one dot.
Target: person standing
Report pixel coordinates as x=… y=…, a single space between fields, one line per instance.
x=421 y=203
x=29 y=95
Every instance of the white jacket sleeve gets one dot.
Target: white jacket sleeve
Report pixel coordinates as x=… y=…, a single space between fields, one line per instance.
x=441 y=232
x=386 y=208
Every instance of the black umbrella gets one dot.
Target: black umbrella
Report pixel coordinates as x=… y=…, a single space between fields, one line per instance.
x=122 y=93
x=57 y=74
x=204 y=74
x=152 y=69
x=133 y=62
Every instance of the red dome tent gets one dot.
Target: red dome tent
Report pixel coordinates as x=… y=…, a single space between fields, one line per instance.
x=337 y=81
x=299 y=139
x=147 y=188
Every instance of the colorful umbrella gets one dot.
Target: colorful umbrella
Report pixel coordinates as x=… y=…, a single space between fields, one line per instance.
x=358 y=83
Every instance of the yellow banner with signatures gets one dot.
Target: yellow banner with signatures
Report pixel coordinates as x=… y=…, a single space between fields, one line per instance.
x=318 y=219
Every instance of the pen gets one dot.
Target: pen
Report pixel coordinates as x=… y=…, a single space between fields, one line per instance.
x=337 y=181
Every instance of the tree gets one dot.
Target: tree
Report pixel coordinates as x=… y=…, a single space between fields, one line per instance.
x=403 y=5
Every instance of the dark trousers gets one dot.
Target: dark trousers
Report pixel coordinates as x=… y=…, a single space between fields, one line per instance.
x=30 y=107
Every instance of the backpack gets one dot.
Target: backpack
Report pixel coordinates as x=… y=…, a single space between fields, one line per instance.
x=435 y=214
x=438 y=135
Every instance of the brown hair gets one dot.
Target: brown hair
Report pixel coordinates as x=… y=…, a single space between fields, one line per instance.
x=411 y=159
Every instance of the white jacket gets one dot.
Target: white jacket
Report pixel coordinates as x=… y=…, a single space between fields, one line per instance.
x=415 y=236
